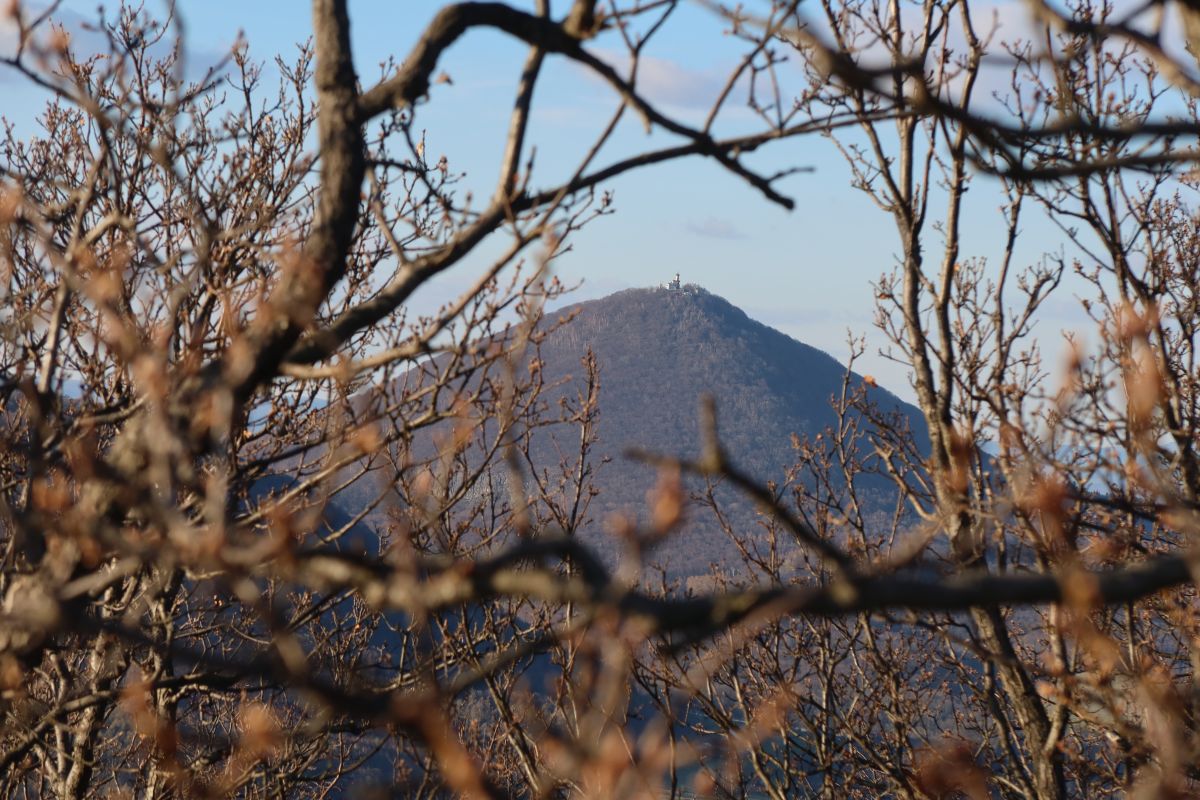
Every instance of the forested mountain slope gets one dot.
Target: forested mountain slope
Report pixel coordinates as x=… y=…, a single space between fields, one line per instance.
x=659 y=351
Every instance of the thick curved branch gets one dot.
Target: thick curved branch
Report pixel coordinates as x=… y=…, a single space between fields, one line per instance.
x=520 y=572
x=322 y=261
x=412 y=80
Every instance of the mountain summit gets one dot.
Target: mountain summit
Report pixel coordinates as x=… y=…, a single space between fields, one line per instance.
x=659 y=350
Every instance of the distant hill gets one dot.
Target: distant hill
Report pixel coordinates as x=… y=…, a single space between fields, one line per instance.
x=658 y=351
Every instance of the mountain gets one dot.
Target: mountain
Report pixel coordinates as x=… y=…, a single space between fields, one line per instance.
x=659 y=350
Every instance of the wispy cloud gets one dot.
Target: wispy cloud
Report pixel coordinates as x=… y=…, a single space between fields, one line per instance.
x=664 y=82
x=670 y=83
x=715 y=228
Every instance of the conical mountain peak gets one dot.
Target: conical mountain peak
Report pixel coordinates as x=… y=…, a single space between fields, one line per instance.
x=659 y=351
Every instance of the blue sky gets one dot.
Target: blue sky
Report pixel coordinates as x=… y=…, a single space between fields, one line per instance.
x=806 y=272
